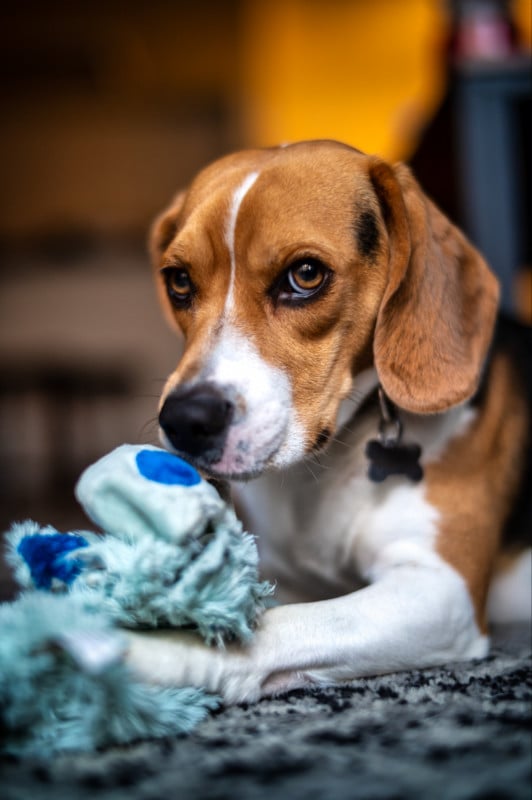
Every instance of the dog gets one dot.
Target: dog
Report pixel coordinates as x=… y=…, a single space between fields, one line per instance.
x=342 y=371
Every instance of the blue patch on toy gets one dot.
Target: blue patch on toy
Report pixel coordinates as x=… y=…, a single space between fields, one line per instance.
x=166 y=468
x=47 y=557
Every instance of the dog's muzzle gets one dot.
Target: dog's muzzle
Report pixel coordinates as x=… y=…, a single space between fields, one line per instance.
x=195 y=420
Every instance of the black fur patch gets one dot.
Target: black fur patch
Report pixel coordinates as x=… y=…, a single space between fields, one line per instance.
x=323 y=438
x=514 y=339
x=367 y=234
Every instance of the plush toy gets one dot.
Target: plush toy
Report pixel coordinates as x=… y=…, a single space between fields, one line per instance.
x=172 y=554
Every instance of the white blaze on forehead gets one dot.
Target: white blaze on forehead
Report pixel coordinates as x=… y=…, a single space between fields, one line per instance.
x=230 y=229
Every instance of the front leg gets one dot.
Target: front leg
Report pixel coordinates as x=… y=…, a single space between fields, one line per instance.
x=413 y=616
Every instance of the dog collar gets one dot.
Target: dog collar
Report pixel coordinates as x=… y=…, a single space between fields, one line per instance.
x=389 y=455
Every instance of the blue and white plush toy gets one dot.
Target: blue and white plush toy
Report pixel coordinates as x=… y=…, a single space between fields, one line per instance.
x=172 y=554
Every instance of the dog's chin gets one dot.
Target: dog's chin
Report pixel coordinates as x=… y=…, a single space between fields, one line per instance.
x=243 y=463
x=240 y=476
x=227 y=470
x=216 y=473
x=216 y=465
x=221 y=468
x=238 y=460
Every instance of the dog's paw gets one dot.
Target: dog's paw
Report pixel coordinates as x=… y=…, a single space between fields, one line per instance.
x=179 y=658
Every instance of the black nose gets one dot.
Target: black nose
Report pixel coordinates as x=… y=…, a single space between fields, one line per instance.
x=196 y=419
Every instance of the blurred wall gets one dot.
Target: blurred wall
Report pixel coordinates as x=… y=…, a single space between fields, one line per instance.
x=369 y=73
x=108 y=106
x=107 y=109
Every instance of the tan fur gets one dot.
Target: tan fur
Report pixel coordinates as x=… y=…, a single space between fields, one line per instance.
x=474 y=484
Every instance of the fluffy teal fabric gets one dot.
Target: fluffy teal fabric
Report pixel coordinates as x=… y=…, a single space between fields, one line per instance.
x=172 y=554
x=64 y=685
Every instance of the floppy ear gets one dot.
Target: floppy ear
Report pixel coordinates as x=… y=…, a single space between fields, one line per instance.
x=165 y=227
x=438 y=310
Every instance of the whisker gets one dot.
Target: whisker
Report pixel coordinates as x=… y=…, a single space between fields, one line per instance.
x=150 y=426
x=337 y=440
x=307 y=466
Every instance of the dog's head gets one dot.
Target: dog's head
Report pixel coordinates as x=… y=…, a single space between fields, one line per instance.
x=291 y=271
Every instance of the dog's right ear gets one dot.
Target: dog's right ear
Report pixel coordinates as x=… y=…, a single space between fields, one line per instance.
x=164 y=228
x=438 y=311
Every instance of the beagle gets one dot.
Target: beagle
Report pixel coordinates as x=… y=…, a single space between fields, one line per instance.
x=341 y=370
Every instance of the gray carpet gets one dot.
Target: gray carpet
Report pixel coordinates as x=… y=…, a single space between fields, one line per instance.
x=462 y=731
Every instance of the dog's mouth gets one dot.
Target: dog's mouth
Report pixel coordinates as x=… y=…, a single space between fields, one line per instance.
x=248 y=454
x=237 y=460
x=204 y=426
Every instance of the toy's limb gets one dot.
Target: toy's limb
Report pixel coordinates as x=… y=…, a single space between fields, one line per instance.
x=379 y=629
x=64 y=685
x=43 y=558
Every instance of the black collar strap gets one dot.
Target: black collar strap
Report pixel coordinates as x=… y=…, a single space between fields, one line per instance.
x=389 y=455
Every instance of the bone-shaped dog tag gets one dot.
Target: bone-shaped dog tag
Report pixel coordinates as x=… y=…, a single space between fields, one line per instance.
x=393 y=459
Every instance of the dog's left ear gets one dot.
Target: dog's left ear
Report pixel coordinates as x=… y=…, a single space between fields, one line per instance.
x=437 y=314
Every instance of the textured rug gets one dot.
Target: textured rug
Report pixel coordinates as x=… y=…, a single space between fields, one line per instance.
x=462 y=731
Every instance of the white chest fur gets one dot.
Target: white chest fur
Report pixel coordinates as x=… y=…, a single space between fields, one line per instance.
x=325 y=529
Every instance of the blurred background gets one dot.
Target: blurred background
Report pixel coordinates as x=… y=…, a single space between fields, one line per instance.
x=109 y=107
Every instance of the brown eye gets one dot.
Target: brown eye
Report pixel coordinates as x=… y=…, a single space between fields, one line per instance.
x=306 y=277
x=302 y=282
x=178 y=285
